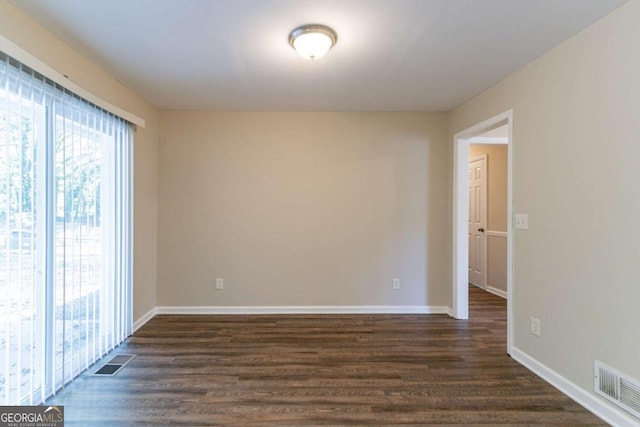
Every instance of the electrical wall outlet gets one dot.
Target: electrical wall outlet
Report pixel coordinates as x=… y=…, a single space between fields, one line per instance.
x=395 y=284
x=522 y=221
x=219 y=284
x=535 y=326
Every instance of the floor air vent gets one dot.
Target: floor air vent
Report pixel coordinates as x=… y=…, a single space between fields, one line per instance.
x=114 y=366
x=618 y=388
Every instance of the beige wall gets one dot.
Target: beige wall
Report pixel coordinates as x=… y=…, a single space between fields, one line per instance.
x=576 y=129
x=496 y=211
x=303 y=208
x=30 y=36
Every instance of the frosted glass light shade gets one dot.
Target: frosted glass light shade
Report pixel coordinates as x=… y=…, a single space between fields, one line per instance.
x=312 y=41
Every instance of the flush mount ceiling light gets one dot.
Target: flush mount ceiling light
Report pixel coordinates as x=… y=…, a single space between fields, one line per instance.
x=312 y=41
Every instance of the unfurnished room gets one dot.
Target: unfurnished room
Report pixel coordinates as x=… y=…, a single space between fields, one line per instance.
x=319 y=212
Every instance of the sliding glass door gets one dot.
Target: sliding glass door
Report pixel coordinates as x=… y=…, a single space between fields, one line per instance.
x=22 y=123
x=65 y=234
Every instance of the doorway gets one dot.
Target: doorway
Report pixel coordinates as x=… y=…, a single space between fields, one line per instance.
x=460 y=272
x=488 y=154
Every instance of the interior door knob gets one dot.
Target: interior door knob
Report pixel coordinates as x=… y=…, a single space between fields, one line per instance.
x=481 y=230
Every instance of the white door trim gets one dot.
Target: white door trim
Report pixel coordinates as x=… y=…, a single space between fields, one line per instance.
x=483 y=208
x=460 y=273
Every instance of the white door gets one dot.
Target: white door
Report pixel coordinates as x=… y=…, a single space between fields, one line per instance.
x=478 y=220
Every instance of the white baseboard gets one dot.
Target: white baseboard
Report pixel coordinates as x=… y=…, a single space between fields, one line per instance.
x=591 y=402
x=346 y=309
x=144 y=319
x=496 y=291
x=305 y=309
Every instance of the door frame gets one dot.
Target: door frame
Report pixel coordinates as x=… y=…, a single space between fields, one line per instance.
x=483 y=208
x=460 y=264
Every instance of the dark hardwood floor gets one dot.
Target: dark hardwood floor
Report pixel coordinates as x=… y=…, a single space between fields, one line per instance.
x=321 y=370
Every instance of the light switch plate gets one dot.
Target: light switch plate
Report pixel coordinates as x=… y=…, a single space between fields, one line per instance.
x=522 y=221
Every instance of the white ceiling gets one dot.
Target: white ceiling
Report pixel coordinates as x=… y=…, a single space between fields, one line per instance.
x=391 y=55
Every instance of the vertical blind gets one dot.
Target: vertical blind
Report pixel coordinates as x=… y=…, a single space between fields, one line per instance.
x=65 y=234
